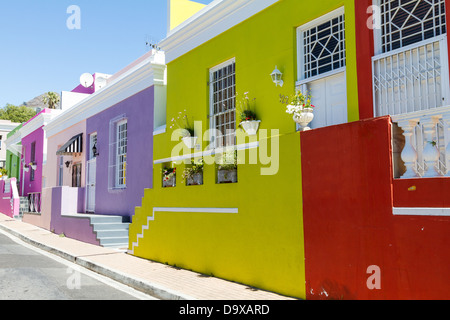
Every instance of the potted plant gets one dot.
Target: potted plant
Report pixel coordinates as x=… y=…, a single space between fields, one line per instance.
x=169 y=177
x=248 y=119
x=301 y=109
x=33 y=165
x=185 y=128
x=227 y=167
x=4 y=173
x=194 y=173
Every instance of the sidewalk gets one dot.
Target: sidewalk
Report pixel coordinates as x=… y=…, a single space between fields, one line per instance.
x=159 y=280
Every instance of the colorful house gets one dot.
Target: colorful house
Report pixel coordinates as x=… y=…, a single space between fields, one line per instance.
x=276 y=225
x=98 y=155
x=13 y=150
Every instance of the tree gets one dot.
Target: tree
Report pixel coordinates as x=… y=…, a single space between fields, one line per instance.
x=51 y=99
x=16 y=114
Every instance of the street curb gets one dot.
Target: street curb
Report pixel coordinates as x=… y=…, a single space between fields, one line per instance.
x=146 y=287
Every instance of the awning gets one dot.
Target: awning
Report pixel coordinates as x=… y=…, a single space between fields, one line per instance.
x=73 y=146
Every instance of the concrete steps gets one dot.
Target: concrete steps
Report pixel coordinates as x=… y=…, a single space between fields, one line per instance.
x=111 y=231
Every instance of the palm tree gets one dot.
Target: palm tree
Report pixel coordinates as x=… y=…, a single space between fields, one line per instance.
x=51 y=99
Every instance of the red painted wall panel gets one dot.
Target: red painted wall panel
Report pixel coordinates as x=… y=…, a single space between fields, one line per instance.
x=364 y=52
x=349 y=225
x=422 y=193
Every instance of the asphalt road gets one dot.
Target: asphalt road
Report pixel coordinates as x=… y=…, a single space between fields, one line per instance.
x=27 y=273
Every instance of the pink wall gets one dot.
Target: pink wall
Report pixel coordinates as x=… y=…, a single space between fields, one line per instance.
x=30 y=186
x=9 y=205
x=53 y=144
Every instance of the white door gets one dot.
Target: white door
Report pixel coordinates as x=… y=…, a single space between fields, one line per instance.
x=329 y=96
x=90 y=185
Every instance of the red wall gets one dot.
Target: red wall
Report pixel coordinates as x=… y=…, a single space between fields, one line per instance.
x=349 y=225
x=364 y=52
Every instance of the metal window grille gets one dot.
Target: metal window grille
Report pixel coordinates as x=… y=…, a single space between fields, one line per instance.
x=223 y=99
x=410 y=71
x=405 y=22
x=408 y=81
x=324 y=47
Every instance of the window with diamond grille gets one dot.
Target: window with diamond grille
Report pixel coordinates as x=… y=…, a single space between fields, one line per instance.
x=410 y=68
x=223 y=103
x=405 y=22
x=323 y=47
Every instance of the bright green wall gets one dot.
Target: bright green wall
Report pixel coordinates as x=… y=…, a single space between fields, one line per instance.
x=12 y=166
x=262 y=245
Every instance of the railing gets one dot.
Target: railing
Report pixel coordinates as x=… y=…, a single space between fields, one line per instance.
x=426 y=153
x=34 y=202
x=412 y=78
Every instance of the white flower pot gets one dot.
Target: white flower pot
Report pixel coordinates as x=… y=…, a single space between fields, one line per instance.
x=26 y=169
x=190 y=142
x=34 y=166
x=251 y=127
x=304 y=118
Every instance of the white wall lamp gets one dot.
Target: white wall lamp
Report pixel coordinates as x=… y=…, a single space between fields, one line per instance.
x=277 y=77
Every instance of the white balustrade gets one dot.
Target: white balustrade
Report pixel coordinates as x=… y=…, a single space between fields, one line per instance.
x=427 y=149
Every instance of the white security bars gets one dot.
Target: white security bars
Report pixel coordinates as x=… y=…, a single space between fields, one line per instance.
x=427 y=143
x=410 y=70
x=223 y=103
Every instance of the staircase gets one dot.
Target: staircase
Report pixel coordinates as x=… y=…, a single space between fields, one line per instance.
x=112 y=231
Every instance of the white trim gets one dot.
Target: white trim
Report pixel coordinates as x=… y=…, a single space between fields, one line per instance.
x=432 y=212
x=410 y=47
x=211 y=21
x=324 y=18
x=119 y=154
x=40 y=120
x=177 y=210
x=159 y=130
x=212 y=115
x=251 y=145
x=320 y=76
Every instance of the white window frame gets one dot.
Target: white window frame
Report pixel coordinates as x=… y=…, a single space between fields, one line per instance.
x=120 y=181
x=212 y=115
x=92 y=142
x=409 y=49
x=301 y=79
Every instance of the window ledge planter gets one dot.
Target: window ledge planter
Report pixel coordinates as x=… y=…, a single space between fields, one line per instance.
x=195 y=180
x=251 y=127
x=169 y=182
x=227 y=176
x=190 y=142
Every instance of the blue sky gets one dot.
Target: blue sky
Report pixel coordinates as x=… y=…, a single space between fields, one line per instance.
x=38 y=53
